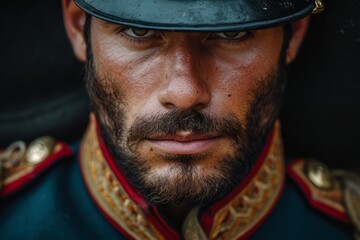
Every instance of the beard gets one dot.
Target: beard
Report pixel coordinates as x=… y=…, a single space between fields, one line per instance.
x=182 y=184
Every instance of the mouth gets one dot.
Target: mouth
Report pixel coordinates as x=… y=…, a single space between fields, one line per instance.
x=184 y=143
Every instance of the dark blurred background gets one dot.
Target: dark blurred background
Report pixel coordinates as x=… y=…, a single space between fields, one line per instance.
x=41 y=88
x=321 y=115
x=42 y=91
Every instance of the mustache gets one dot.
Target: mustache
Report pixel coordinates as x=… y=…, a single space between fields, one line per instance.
x=191 y=120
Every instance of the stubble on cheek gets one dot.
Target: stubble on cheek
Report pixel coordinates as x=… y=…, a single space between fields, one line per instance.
x=106 y=101
x=182 y=181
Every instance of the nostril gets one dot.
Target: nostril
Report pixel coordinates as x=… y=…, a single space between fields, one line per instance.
x=199 y=106
x=169 y=105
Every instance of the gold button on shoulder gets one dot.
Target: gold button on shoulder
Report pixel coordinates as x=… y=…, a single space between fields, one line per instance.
x=39 y=150
x=318 y=174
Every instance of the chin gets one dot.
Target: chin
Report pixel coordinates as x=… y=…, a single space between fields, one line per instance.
x=192 y=180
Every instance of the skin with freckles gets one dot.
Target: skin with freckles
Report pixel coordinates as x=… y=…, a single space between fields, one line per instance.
x=185 y=114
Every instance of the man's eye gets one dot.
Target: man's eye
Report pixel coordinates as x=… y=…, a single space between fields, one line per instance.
x=231 y=35
x=138 y=32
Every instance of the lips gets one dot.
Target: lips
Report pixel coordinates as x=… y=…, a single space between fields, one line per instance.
x=184 y=142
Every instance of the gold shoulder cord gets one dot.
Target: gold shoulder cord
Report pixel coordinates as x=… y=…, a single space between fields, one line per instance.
x=351 y=190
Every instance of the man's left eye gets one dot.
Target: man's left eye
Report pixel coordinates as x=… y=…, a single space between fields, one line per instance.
x=138 y=32
x=231 y=35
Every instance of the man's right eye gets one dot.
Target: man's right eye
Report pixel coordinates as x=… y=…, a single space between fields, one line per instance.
x=138 y=32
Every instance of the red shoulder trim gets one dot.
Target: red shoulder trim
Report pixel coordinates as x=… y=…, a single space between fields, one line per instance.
x=326 y=201
x=26 y=174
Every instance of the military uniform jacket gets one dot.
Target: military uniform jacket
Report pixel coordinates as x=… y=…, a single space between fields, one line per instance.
x=84 y=197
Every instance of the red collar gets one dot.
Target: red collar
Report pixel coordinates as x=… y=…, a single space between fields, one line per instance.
x=234 y=216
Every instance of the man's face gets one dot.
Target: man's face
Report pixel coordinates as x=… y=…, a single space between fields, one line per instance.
x=184 y=113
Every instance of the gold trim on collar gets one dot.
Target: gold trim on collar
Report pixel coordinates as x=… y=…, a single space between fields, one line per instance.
x=108 y=193
x=244 y=212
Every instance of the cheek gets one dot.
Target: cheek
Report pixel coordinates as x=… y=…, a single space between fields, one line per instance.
x=136 y=75
x=239 y=75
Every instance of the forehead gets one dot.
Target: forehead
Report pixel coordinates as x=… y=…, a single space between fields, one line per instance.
x=198 y=15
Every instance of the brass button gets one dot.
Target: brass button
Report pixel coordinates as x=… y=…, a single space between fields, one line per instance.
x=39 y=150
x=318 y=174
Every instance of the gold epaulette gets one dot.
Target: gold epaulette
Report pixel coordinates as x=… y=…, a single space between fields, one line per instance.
x=21 y=163
x=333 y=192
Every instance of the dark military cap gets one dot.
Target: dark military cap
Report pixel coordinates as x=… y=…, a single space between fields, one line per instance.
x=200 y=15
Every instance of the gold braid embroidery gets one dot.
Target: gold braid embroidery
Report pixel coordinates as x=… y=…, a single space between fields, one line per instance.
x=252 y=204
x=108 y=192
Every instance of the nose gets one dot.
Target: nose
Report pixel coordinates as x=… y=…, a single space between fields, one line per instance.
x=184 y=87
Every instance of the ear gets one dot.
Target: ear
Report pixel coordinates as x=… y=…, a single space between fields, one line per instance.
x=298 y=33
x=74 y=21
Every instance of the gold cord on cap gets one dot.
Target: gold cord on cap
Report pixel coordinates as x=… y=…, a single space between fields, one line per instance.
x=319 y=7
